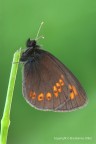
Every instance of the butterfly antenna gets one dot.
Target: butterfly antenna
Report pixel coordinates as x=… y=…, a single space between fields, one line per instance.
x=39 y=32
x=40 y=37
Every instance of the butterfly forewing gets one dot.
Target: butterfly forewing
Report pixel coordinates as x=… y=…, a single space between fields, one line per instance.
x=49 y=85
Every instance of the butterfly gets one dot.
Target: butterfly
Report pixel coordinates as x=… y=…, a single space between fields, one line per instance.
x=47 y=83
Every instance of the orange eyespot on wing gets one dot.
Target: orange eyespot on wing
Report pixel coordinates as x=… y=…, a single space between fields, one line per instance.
x=58 y=87
x=32 y=95
x=72 y=96
x=48 y=96
x=40 y=97
x=61 y=82
x=55 y=91
x=73 y=91
x=56 y=94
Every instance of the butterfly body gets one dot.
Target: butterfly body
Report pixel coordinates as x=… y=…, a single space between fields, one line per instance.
x=47 y=83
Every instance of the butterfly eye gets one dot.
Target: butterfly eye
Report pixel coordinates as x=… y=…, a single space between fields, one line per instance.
x=40 y=97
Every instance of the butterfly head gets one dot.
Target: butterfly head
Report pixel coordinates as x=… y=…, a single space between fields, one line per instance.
x=31 y=43
x=29 y=53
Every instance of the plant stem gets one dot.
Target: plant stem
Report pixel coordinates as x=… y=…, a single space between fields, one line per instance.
x=5 y=122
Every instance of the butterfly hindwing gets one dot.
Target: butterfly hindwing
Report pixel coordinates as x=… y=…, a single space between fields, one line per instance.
x=49 y=85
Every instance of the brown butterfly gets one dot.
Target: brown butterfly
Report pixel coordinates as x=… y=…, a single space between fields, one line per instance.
x=47 y=82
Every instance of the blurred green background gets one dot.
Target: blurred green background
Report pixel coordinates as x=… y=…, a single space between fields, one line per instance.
x=70 y=34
